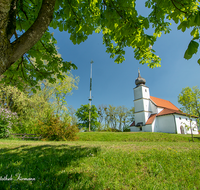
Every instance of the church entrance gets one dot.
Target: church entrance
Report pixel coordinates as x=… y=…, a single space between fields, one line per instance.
x=182 y=129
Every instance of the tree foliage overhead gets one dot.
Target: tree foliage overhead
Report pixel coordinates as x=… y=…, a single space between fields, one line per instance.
x=24 y=31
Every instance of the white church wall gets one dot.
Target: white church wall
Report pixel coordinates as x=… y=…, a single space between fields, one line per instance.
x=145 y=92
x=159 y=109
x=138 y=104
x=165 y=124
x=146 y=104
x=142 y=117
x=134 y=129
x=184 y=121
x=137 y=93
x=141 y=105
x=152 y=107
x=141 y=92
x=147 y=128
x=154 y=125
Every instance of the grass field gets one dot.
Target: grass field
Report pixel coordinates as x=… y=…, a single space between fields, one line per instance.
x=102 y=161
x=136 y=137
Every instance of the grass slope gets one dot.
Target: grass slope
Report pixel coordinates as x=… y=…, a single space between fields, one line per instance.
x=100 y=164
x=135 y=137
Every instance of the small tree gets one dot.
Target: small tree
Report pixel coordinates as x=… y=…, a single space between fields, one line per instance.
x=72 y=114
x=189 y=98
x=7 y=121
x=122 y=114
x=83 y=117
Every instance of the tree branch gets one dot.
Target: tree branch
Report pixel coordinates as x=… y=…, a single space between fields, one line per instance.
x=177 y=7
x=34 y=33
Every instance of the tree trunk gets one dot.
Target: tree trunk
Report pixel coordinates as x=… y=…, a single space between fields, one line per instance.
x=5 y=46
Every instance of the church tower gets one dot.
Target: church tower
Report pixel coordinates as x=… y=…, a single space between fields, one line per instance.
x=141 y=102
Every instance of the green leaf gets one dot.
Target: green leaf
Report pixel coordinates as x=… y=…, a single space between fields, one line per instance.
x=183 y=26
x=65 y=27
x=197 y=19
x=198 y=61
x=192 y=49
x=148 y=4
x=61 y=27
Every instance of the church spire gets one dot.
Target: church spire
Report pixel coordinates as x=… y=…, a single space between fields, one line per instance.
x=139 y=73
x=140 y=81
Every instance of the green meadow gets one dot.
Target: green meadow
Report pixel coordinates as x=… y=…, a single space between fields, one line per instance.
x=100 y=160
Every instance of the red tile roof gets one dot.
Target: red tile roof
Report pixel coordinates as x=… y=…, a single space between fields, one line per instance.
x=167 y=111
x=133 y=124
x=163 y=103
x=151 y=119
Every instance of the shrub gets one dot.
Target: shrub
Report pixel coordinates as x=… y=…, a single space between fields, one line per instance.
x=7 y=120
x=54 y=129
x=127 y=128
x=114 y=130
x=108 y=129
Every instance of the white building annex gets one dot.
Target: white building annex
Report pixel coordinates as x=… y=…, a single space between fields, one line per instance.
x=157 y=115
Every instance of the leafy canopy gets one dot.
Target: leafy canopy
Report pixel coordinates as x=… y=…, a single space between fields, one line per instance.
x=118 y=21
x=82 y=114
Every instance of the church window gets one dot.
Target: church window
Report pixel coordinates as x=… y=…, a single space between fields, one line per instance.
x=180 y=118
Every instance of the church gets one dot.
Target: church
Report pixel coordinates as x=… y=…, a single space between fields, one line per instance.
x=157 y=115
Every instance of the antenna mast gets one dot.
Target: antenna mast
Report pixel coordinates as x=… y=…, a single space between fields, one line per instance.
x=90 y=99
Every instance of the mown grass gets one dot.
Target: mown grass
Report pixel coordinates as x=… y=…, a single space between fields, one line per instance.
x=100 y=164
x=135 y=137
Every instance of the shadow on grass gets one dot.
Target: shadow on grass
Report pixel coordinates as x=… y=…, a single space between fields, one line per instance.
x=197 y=138
x=46 y=166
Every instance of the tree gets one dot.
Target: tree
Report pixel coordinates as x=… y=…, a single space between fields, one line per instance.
x=83 y=116
x=24 y=32
x=189 y=98
x=131 y=114
x=122 y=114
x=72 y=114
x=101 y=112
x=30 y=107
x=112 y=114
x=57 y=92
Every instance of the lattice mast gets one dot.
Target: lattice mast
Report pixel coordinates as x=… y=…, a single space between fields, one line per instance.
x=90 y=99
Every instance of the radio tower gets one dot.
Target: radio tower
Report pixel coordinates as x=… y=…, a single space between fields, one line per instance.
x=90 y=99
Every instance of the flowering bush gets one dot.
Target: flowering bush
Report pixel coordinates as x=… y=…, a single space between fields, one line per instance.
x=7 y=119
x=55 y=130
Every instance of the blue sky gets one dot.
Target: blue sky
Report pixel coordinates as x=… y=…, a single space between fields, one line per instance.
x=113 y=83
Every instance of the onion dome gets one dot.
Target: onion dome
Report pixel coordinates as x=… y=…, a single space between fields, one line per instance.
x=140 y=81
